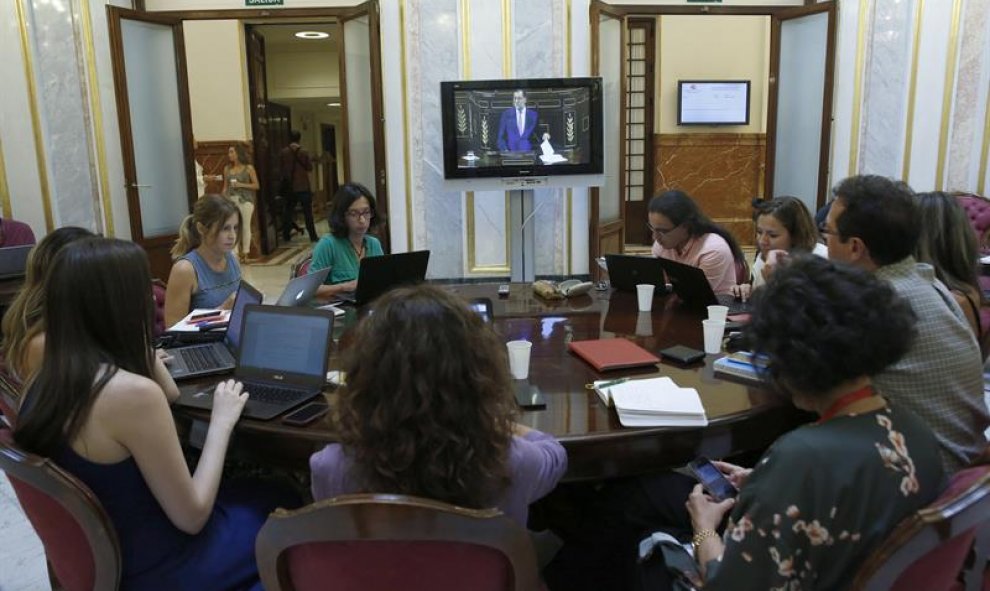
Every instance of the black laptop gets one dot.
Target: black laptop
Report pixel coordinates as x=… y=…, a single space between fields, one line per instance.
x=193 y=361
x=380 y=274
x=692 y=287
x=282 y=360
x=625 y=272
x=13 y=261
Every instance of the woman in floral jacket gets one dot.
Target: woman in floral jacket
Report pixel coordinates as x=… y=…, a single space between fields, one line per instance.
x=825 y=495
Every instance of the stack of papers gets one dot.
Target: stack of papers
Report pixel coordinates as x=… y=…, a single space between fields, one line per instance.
x=653 y=402
x=738 y=365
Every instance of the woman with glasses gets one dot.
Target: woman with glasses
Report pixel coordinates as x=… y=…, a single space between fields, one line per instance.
x=682 y=233
x=351 y=216
x=783 y=227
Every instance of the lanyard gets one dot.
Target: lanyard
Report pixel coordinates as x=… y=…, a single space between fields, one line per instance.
x=846 y=400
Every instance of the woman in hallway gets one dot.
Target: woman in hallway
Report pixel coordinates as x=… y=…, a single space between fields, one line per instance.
x=240 y=184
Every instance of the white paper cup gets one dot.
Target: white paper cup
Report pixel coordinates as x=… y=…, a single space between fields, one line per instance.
x=644 y=324
x=519 y=358
x=714 y=329
x=718 y=313
x=644 y=291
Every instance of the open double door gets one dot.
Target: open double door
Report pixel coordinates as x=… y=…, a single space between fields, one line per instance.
x=152 y=92
x=799 y=109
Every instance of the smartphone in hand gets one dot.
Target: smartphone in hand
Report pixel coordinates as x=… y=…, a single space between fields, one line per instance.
x=712 y=480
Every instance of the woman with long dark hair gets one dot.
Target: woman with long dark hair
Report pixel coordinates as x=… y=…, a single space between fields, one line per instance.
x=682 y=233
x=99 y=407
x=412 y=421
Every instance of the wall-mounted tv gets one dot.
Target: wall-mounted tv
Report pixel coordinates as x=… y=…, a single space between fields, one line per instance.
x=713 y=102
x=522 y=128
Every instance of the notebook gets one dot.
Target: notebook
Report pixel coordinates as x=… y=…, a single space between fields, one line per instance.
x=625 y=272
x=193 y=361
x=692 y=287
x=739 y=364
x=299 y=291
x=653 y=402
x=13 y=261
x=380 y=274
x=609 y=354
x=282 y=360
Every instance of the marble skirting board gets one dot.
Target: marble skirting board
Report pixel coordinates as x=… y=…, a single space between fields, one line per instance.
x=722 y=172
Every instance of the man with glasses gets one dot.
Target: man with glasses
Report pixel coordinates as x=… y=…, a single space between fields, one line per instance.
x=874 y=224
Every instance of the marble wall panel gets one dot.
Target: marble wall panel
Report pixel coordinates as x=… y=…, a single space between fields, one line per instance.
x=433 y=56
x=63 y=104
x=885 y=87
x=969 y=107
x=722 y=172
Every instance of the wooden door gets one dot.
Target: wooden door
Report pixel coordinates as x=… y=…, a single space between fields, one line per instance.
x=263 y=152
x=155 y=128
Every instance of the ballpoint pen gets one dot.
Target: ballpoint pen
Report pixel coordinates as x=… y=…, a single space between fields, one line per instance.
x=611 y=383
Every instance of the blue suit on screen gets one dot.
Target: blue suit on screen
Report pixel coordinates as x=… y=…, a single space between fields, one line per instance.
x=509 y=138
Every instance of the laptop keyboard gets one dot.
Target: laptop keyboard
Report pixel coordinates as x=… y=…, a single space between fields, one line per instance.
x=200 y=358
x=273 y=394
x=735 y=306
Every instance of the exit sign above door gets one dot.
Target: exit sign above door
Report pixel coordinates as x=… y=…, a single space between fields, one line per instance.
x=269 y=2
x=706 y=1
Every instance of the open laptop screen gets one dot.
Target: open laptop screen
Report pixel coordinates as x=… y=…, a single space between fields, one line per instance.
x=246 y=294
x=276 y=342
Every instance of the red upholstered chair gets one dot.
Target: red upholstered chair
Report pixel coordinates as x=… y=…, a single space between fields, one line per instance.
x=80 y=541
x=978 y=211
x=928 y=550
x=301 y=267
x=382 y=542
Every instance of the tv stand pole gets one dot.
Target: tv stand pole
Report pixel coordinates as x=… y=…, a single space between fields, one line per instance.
x=522 y=232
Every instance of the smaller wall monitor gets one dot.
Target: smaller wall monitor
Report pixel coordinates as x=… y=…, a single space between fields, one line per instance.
x=713 y=102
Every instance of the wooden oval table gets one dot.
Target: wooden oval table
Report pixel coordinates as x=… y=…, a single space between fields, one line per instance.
x=742 y=418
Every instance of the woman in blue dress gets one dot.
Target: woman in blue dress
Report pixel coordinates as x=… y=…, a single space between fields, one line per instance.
x=206 y=273
x=99 y=407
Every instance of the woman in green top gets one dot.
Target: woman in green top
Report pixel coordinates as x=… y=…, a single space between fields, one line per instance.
x=352 y=215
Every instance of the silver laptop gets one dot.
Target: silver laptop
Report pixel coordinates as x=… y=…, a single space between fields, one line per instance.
x=219 y=356
x=282 y=360
x=301 y=290
x=13 y=261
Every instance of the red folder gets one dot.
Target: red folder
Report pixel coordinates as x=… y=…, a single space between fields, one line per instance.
x=607 y=354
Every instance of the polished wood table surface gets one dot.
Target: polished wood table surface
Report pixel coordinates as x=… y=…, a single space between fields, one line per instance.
x=742 y=418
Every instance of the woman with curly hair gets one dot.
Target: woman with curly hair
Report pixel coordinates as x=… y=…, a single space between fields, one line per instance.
x=825 y=495
x=437 y=426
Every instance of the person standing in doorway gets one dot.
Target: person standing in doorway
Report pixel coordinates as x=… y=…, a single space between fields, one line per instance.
x=295 y=167
x=240 y=185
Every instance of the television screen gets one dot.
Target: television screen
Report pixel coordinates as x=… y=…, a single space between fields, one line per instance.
x=713 y=102
x=520 y=128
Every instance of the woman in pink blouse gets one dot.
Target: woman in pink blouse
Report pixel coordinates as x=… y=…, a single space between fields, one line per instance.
x=682 y=233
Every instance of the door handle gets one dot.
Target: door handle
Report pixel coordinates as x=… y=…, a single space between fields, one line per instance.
x=137 y=186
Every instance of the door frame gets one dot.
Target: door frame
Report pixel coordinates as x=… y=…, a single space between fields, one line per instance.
x=826 y=116
x=154 y=245
x=776 y=13
x=293 y=15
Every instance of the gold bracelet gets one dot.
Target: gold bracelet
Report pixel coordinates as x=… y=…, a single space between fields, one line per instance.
x=701 y=536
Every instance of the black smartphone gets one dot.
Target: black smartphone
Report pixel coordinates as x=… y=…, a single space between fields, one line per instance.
x=306 y=414
x=528 y=396
x=681 y=354
x=483 y=307
x=712 y=480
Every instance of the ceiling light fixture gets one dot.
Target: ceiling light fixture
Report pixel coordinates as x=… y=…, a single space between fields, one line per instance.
x=312 y=35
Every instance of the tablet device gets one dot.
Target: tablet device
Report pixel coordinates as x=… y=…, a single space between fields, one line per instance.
x=681 y=354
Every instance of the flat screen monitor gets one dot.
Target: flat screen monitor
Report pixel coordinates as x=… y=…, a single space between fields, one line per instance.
x=713 y=102
x=522 y=128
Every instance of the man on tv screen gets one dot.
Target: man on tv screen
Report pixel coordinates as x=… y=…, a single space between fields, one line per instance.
x=517 y=126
